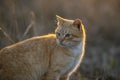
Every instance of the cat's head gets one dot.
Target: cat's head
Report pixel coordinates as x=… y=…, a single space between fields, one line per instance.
x=69 y=33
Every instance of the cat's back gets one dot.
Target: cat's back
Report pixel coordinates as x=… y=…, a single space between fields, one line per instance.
x=31 y=46
x=25 y=60
x=31 y=43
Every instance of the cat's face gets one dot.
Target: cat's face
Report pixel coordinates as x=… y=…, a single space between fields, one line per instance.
x=69 y=32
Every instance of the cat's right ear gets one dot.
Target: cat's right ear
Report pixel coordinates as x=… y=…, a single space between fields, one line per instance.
x=77 y=23
x=60 y=20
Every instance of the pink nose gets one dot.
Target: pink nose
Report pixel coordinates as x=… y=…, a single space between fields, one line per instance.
x=61 y=40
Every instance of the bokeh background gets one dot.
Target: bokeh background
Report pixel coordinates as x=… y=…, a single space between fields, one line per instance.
x=22 y=19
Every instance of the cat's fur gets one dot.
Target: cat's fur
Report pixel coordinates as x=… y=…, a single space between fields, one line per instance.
x=49 y=57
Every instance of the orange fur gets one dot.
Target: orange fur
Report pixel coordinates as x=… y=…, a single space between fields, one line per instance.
x=48 y=57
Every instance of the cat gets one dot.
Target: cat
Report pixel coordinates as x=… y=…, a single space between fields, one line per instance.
x=48 y=57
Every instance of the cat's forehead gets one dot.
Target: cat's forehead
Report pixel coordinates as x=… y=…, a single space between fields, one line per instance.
x=66 y=25
x=65 y=30
x=62 y=29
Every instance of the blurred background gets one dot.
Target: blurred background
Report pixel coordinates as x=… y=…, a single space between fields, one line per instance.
x=22 y=19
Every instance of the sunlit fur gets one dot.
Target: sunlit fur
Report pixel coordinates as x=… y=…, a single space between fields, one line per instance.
x=45 y=57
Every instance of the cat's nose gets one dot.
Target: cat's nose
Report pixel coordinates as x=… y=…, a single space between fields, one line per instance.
x=61 y=40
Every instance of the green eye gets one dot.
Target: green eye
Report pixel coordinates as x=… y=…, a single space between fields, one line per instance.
x=67 y=35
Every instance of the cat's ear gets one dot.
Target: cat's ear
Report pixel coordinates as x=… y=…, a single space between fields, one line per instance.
x=77 y=23
x=60 y=20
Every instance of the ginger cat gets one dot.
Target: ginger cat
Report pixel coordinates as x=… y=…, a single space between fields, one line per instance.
x=49 y=57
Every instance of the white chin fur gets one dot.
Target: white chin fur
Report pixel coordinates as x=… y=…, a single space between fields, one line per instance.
x=58 y=42
x=77 y=49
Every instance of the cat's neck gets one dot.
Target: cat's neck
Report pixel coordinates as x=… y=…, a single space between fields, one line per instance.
x=77 y=50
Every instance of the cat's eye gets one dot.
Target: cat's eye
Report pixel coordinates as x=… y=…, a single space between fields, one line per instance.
x=58 y=34
x=67 y=35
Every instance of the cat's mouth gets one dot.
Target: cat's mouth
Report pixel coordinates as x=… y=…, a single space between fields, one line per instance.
x=61 y=43
x=66 y=44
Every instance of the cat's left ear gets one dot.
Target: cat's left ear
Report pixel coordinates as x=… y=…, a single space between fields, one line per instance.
x=77 y=23
x=60 y=20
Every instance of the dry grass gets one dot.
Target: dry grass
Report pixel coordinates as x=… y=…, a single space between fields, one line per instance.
x=7 y=36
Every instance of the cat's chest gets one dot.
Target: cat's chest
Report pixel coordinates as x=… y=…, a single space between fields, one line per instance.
x=75 y=59
x=77 y=50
